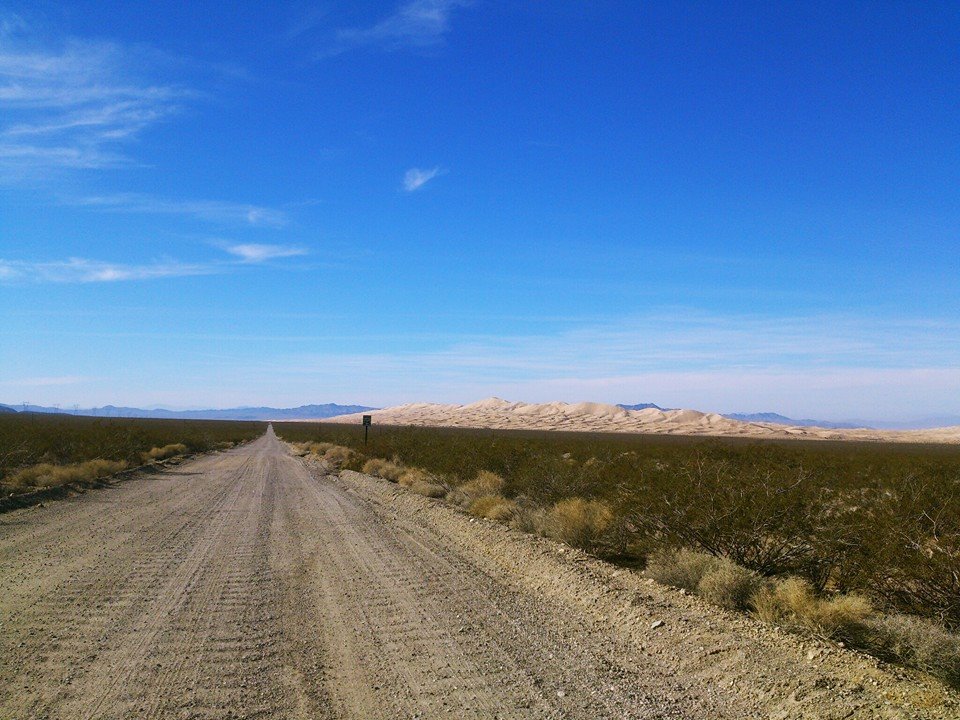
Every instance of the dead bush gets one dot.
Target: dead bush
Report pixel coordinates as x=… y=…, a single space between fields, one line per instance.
x=383 y=468
x=792 y=604
x=412 y=476
x=579 y=523
x=428 y=489
x=680 y=568
x=493 y=507
x=718 y=580
x=918 y=643
x=337 y=455
x=47 y=475
x=485 y=483
x=162 y=453
x=729 y=585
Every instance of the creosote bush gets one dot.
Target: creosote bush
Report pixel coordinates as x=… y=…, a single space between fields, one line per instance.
x=805 y=532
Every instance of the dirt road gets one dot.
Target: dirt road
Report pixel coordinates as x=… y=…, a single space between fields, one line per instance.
x=251 y=584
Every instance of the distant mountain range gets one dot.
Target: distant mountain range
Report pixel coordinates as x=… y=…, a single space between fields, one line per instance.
x=308 y=412
x=778 y=419
x=304 y=412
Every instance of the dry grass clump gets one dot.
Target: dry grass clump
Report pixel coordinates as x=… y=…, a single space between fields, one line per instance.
x=485 y=483
x=411 y=476
x=578 y=522
x=337 y=454
x=792 y=604
x=918 y=643
x=681 y=568
x=162 y=453
x=383 y=469
x=719 y=580
x=46 y=475
x=428 y=489
x=730 y=585
x=493 y=507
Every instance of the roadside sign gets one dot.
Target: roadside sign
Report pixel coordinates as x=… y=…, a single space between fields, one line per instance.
x=367 y=419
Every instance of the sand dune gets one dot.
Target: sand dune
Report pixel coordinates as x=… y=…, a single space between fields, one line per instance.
x=598 y=417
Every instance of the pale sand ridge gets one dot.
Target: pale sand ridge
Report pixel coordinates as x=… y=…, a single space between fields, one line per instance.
x=496 y=413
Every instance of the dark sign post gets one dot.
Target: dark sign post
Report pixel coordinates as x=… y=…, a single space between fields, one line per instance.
x=367 y=420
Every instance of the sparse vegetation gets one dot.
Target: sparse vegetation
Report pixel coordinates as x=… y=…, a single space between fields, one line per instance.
x=579 y=523
x=45 y=475
x=793 y=604
x=858 y=542
x=162 y=453
x=41 y=451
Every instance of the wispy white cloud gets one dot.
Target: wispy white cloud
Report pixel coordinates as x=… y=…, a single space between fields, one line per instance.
x=257 y=253
x=209 y=210
x=832 y=367
x=415 y=24
x=85 y=270
x=416 y=178
x=74 y=105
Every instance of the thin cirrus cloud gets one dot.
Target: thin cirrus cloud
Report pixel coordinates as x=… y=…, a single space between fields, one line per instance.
x=257 y=253
x=416 y=178
x=85 y=270
x=74 y=105
x=417 y=24
x=208 y=210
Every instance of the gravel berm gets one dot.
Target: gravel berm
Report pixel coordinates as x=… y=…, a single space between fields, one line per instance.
x=254 y=584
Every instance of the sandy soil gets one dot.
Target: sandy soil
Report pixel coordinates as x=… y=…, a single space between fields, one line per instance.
x=598 y=417
x=249 y=584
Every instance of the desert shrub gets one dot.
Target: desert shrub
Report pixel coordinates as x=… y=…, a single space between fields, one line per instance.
x=458 y=497
x=162 y=453
x=774 y=523
x=46 y=475
x=485 y=483
x=729 y=585
x=680 y=568
x=412 y=476
x=428 y=489
x=719 y=580
x=579 y=523
x=383 y=468
x=337 y=455
x=793 y=604
x=493 y=507
x=917 y=643
x=913 y=532
x=880 y=519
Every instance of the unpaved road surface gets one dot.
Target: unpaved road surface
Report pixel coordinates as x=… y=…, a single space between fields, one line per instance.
x=252 y=584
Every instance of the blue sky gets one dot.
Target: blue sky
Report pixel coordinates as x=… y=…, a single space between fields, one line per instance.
x=726 y=206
